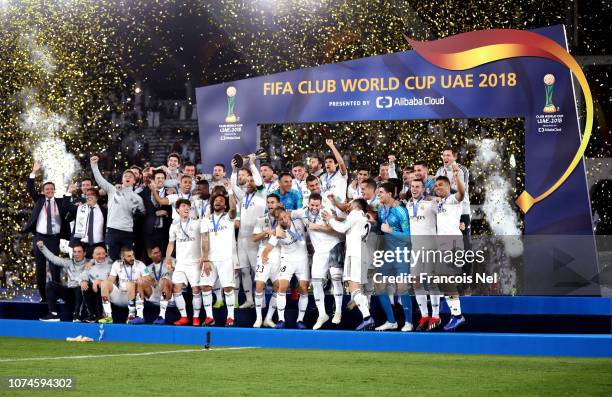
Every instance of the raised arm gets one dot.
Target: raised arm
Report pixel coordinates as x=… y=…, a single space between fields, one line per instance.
x=392 y=171
x=103 y=183
x=156 y=197
x=460 y=185
x=31 y=188
x=256 y=175
x=337 y=155
x=56 y=260
x=232 y=200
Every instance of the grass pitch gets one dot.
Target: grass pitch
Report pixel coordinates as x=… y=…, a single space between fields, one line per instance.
x=128 y=369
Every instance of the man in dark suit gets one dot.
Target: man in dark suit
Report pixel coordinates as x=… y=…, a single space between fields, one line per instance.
x=89 y=221
x=47 y=224
x=156 y=224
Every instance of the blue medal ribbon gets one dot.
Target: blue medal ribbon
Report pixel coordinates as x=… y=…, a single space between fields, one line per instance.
x=186 y=225
x=248 y=200
x=161 y=268
x=295 y=235
x=328 y=178
x=216 y=224
x=415 y=206
x=128 y=276
x=308 y=213
x=441 y=204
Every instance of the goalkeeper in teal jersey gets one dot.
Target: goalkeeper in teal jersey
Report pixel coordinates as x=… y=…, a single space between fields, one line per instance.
x=394 y=224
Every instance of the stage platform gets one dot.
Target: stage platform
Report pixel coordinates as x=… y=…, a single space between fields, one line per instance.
x=501 y=314
x=577 y=345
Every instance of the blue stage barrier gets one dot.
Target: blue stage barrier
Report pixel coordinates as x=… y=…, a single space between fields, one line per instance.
x=576 y=345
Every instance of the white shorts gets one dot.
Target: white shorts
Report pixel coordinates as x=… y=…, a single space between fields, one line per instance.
x=320 y=264
x=292 y=265
x=187 y=274
x=221 y=270
x=267 y=271
x=118 y=297
x=355 y=270
x=247 y=253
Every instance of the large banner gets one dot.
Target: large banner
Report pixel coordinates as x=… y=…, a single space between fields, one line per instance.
x=494 y=74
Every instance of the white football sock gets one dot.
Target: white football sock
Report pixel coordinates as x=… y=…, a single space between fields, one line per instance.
x=435 y=305
x=362 y=303
x=207 y=298
x=302 y=306
x=179 y=301
x=229 y=302
x=139 y=306
x=163 y=305
x=454 y=305
x=106 y=305
x=338 y=294
x=271 y=307
x=319 y=296
x=197 y=304
x=259 y=298
x=281 y=302
x=421 y=299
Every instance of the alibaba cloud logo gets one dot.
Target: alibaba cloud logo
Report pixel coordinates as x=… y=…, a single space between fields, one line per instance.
x=384 y=102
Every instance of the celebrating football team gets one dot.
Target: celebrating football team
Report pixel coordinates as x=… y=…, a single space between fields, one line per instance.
x=259 y=240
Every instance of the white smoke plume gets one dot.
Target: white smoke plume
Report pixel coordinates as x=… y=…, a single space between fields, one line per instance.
x=43 y=125
x=497 y=207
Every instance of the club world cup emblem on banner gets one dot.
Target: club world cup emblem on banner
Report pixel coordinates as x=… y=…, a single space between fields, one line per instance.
x=231 y=103
x=549 y=84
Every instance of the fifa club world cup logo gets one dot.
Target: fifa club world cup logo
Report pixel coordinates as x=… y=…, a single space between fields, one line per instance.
x=231 y=103
x=549 y=84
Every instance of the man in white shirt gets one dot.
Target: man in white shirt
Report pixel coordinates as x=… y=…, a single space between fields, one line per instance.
x=356 y=227
x=184 y=193
x=324 y=240
x=251 y=206
x=89 y=222
x=450 y=237
x=291 y=237
x=218 y=241
x=185 y=236
x=265 y=227
x=316 y=166
x=299 y=180
x=159 y=293
x=354 y=189
x=334 y=181
x=269 y=181
x=131 y=274
x=422 y=211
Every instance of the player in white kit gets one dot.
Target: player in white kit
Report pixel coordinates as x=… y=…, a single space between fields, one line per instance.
x=335 y=180
x=185 y=236
x=218 y=241
x=160 y=292
x=450 y=237
x=422 y=211
x=324 y=239
x=264 y=271
x=269 y=181
x=251 y=206
x=298 y=171
x=356 y=227
x=185 y=193
x=130 y=272
x=291 y=237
